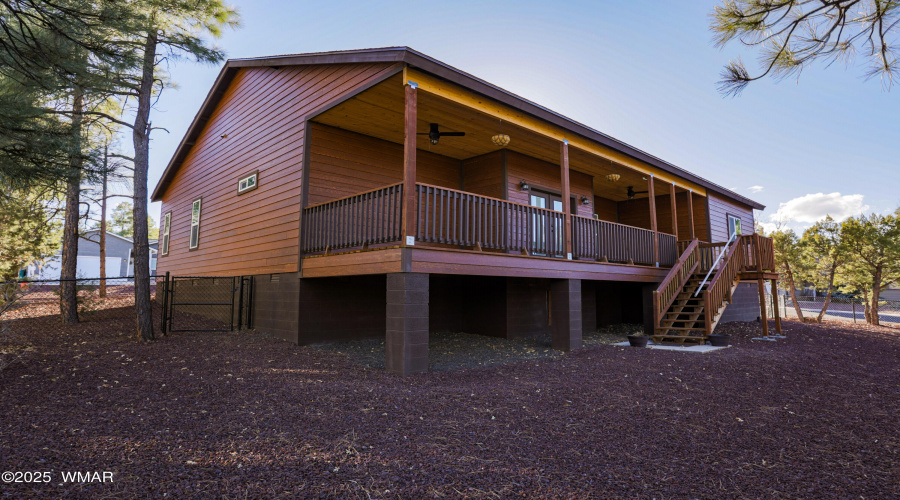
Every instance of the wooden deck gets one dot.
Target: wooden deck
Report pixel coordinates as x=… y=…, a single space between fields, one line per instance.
x=396 y=259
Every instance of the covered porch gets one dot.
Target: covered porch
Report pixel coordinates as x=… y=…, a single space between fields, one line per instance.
x=377 y=180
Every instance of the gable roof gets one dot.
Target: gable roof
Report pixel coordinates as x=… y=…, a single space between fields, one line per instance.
x=108 y=233
x=439 y=69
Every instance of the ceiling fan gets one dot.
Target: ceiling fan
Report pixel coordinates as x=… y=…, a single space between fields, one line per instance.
x=434 y=135
x=632 y=192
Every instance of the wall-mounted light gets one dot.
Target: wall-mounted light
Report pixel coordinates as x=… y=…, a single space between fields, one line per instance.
x=524 y=185
x=585 y=200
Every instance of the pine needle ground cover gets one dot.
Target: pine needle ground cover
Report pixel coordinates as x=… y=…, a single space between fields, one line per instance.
x=197 y=415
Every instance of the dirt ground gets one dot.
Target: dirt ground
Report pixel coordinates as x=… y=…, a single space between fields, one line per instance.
x=243 y=415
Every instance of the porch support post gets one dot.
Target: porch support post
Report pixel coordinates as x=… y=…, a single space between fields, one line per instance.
x=410 y=215
x=762 y=289
x=406 y=342
x=674 y=211
x=690 y=204
x=565 y=311
x=775 y=310
x=652 y=196
x=566 y=202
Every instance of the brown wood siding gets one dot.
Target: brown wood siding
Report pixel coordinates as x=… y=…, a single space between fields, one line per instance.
x=344 y=163
x=261 y=115
x=484 y=175
x=700 y=223
x=541 y=174
x=718 y=220
x=606 y=209
x=635 y=212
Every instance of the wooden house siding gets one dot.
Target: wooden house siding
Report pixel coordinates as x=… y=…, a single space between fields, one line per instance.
x=606 y=209
x=637 y=213
x=541 y=174
x=261 y=118
x=484 y=175
x=719 y=209
x=344 y=163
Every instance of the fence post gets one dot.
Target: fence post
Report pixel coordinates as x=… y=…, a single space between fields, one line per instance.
x=165 y=305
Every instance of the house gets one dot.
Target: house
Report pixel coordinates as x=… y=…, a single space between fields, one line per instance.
x=119 y=258
x=381 y=192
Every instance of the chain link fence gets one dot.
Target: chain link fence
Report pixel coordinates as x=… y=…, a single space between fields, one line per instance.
x=851 y=310
x=97 y=298
x=179 y=303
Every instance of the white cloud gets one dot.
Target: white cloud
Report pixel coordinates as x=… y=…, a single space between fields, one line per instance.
x=755 y=189
x=814 y=207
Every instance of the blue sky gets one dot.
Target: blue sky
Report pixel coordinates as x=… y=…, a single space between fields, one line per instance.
x=642 y=71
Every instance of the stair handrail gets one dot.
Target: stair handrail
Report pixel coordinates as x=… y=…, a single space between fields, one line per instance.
x=669 y=287
x=719 y=289
x=716 y=262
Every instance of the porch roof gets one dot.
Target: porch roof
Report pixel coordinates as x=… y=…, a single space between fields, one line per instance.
x=433 y=66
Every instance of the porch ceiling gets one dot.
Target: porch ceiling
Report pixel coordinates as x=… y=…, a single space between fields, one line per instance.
x=379 y=112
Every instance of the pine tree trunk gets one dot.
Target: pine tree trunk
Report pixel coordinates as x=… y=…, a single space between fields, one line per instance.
x=829 y=294
x=68 y=297
x=141 y=138
x=876 y=294
x=102 y=289
x=793 y=290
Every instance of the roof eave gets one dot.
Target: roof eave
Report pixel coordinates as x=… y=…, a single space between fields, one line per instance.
x=439 y=69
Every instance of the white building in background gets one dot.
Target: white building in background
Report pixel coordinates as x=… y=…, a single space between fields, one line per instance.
x=119 y=258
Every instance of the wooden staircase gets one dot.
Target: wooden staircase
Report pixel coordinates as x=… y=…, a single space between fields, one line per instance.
x=681 y=314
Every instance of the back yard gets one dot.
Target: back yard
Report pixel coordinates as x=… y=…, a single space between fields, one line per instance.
x=244 y=415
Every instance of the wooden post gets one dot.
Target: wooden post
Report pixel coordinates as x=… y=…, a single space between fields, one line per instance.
x=410 y=215
x=762 y=290
x=674 y=212
x=652 y=194
x=566 y=202
x=775 y=307
x=690 y=204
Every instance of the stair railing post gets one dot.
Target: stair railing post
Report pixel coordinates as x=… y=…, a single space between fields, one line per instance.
x=707 y=312
x=656 y=312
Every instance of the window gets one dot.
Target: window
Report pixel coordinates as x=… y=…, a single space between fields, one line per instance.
x=167 y=228
x=195 y=224
x=734 y=226
x=248 y=183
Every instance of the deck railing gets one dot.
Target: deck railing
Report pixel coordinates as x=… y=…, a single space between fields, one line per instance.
x=460 y=219
x=668 y=249
x=599 y=239
x=354 y=221
x=453 y=217
x=674 y=282
x=759 y=254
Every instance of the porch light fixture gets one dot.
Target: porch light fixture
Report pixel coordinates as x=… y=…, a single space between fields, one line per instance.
x=585 y=200
x=524 y=185
x=613 y=177
x=501 y=140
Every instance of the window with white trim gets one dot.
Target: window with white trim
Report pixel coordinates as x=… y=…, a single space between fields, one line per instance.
x=248 y=183
x=195 y=224
x=167 y=229
x=734 y=226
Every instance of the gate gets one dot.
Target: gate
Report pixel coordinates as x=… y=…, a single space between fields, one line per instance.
x=207 y=303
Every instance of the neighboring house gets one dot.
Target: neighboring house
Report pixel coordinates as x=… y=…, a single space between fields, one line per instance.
x=892 y=293
x=119 y=258
x=332 y=179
